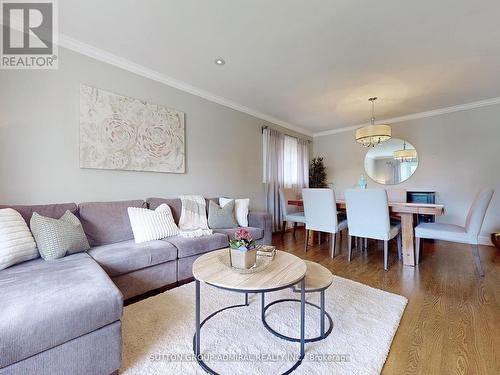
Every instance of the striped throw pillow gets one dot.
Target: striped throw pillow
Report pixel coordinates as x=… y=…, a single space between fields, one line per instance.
x=16 y=241
x=149 y=225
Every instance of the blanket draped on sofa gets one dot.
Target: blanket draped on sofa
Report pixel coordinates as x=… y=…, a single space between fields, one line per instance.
x=193 y=221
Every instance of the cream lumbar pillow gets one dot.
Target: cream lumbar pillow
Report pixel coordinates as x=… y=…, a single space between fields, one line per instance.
x=16 y=241
x=240 y=209
x=149 y=225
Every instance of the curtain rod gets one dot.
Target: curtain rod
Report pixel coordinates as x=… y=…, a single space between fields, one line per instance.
x=294 y=136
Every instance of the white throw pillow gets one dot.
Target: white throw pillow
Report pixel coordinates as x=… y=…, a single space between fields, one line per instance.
x=16 y=241
x=149 y=225
x=240 y=209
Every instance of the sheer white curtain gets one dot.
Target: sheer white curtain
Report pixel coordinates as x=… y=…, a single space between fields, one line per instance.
x=302 y=164
x=296 y=163
x=273 y=142
x=286 y=164
x=290 y=155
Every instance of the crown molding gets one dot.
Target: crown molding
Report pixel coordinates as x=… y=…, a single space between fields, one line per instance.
x=414 y=116
x=109 y=58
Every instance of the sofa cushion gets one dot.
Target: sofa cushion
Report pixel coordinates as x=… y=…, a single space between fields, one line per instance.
x=148 y=225
x=257 y=233
x=16 y=241
x=45 y=304
x=174 y=204
x=198 y=245
x=240 y=209
x=56 y=238
x=127 y=256
x=107 y=222
x=54 y=211
x=221 y=217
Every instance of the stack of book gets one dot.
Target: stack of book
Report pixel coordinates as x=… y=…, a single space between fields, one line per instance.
x=266 y=251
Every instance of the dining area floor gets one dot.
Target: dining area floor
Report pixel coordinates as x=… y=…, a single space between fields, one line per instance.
x=452 y=319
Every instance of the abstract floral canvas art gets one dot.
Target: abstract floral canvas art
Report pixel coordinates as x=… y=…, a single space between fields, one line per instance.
x=119 y=132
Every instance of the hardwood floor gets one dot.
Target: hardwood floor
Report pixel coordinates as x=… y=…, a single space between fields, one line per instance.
x=451 y=324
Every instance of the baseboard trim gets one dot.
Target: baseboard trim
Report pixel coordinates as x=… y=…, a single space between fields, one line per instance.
x=485 y=240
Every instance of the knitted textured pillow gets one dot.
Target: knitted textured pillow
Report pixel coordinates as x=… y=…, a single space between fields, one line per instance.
x=56 y=238
x=221 y=217
x=149 y=225
x=16 y=242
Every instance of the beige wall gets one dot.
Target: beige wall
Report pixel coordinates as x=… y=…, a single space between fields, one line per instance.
x=39 y=128
x=459 y=153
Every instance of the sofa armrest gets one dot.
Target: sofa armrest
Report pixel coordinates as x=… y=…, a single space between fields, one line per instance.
x=263 y=220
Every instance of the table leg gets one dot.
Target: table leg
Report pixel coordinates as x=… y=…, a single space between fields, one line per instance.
x=407 y=234
x=246 y=299
x=302 y=317
x=262 y=305
x=197 y=319
x=322 y=322
x=310 y=240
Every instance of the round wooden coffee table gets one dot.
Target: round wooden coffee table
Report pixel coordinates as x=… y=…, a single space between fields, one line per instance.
x=285 y=271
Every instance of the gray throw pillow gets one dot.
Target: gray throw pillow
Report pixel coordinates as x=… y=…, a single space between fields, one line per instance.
x=56 y=238
x=221 y=218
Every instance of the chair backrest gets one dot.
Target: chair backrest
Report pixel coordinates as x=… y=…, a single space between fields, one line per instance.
x=368 y=213
x=285 y=194
x=477 y=212
x=320 y=210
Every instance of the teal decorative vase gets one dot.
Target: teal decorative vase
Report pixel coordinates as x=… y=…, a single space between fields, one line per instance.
x=362 y=182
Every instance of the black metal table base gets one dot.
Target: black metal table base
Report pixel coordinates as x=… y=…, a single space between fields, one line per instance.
x=323 y=334
x=199 y=324
x=199 y=359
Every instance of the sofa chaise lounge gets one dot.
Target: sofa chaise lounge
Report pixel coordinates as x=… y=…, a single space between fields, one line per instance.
x=63 y=316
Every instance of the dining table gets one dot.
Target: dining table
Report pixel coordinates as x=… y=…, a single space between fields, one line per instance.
x=406 y=213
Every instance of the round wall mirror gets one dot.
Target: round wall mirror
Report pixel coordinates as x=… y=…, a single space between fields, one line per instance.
x=391 y=162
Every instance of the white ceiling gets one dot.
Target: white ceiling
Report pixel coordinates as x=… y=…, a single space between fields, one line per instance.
x=309 y=63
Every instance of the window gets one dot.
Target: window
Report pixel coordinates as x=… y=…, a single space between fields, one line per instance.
x=286 y=160
x=285 y=165
x=290 y=162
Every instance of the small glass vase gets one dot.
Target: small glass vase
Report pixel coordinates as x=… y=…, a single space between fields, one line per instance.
x=242 y=257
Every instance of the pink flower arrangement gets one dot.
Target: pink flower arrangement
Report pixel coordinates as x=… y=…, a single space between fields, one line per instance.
x=242 y=240
x=243 y=234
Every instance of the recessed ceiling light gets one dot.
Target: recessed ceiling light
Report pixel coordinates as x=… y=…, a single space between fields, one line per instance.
x=219 y=61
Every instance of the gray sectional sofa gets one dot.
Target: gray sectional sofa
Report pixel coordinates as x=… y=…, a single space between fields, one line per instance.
x=63 y=316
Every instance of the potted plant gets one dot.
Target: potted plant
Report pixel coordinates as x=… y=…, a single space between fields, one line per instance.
x=317 y=174
x=242 y=252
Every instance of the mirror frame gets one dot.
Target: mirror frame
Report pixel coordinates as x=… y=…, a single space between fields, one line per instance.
x=389 y=184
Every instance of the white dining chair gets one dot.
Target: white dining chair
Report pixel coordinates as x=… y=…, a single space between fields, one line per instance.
x=455 y=233
x=320 y=209
x=289 y=213
x=368 y=217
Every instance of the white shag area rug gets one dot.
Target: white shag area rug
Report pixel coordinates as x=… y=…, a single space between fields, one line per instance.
x=158 y=332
